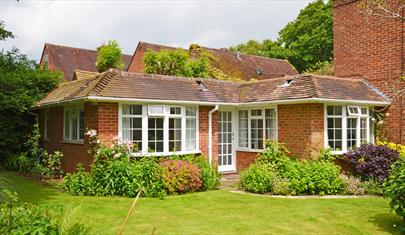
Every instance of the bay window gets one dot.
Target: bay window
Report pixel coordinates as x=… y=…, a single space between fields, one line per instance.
x=160 y=129
x=347 y=127
x=255 y=126
x=73 y=119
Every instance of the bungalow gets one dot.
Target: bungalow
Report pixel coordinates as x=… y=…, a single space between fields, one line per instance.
x=225 y=121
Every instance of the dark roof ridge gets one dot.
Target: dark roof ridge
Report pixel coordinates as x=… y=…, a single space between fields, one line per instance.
x=80 y=48
x=375 y=89
x=105 y=78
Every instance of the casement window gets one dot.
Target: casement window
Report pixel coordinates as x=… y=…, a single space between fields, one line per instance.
x=347 y=127
x=132 y=124
x=255 y=126
x=46 y=124
x=160 y=129
x=73 y=118
x=191 y=129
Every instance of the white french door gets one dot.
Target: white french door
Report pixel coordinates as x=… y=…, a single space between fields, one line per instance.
x=226 y=153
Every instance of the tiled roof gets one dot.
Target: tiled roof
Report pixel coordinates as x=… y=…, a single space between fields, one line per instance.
x=69 y=59
x=239 y=65
x=117 y=84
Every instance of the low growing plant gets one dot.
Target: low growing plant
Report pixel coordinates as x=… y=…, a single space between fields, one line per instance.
x=274 y=153
x=353 y=185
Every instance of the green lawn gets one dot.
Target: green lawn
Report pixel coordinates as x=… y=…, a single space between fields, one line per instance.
x=217 y=212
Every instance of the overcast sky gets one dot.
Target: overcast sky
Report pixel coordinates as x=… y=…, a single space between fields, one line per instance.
x=88 y=24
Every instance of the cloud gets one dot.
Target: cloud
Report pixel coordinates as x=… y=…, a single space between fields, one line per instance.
x=87 y=24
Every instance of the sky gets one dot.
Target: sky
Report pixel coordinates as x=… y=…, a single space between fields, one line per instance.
x=88 y=24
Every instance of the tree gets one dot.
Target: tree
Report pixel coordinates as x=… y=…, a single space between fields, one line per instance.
x=109 y=56
x=306 y=41
x=4 y=34
x=178 y=62
x=22 y=84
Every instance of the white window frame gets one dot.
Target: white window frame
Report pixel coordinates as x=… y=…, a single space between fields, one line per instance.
x=263 y=117
x=346 y=114
x=134 y=116
x=69 y=139
x=46 y=124
x=165 y=115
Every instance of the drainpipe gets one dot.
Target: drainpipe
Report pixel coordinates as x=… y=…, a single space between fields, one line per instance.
x=210 y=133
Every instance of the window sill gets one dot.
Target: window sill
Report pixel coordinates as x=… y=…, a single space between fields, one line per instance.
x=165 y=154
x=73 y=142
x=249 y=150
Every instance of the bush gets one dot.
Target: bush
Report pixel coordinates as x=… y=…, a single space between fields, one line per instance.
x=353 y=185
x=181 y=176
x=312 y=177
x=372 y=161
x=209 y=175
x=394 y=188
x=79 y=183
x=281 y=186
x=258 y=178
x=396 y=147
x=274 y=153
x=53 y=164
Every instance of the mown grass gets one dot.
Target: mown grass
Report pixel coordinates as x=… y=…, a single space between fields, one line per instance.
x=216 y=212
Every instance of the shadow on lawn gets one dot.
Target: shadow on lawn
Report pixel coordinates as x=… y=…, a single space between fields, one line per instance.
x=388 y=222
x=28 y=188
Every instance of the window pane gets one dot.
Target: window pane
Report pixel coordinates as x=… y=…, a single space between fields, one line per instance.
x=131 y=109
x=243 y=128
x=271 y=124
x=351 y=133
x=175 y=134
x=363 y=130
x=191 y=111
x=334 y=110
x=155 y=134
x=191 y=132
x=132 y=130
x=67 y=124
x=156 y=110
x=256 y=134
x=175 y=110
x=81 y=124
x=335 y=133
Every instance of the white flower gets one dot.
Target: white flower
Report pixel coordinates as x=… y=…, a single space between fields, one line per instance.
x=387 y=114
x=373 y=119
x=117 y=155
x=91 y=133
x=380 y=122
x=98 y=141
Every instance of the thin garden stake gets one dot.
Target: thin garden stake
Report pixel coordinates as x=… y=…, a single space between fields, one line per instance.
x=129 y=213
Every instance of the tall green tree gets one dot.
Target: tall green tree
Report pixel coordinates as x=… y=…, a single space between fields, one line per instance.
x=22 y=84
x=305 y=42
x=109 y=56
x=4 y=34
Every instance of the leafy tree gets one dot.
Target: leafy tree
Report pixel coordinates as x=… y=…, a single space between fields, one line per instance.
x=267 y=48
x=305 y=42
x=22 y=84
x=177 y=63
x=109 y=56
x=4 y=34
x=321 y=68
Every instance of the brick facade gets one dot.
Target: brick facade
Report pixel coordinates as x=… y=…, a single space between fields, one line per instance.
x=244 y=159
x=203 y=132
x=372 y=47
x=102 y=117
x=136 y=65
x=301 y=127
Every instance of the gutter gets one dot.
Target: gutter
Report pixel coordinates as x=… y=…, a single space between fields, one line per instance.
x=210 y=133
x=290 y=101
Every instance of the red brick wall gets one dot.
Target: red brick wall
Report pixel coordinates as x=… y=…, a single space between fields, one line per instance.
x=136 y=65
x=102 y=116
x=370 y=47
x=244 y=159
x=203 y=132
x=300 y=127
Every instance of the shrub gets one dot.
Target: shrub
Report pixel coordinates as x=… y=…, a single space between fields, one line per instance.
x=258 y=178
x=274 y=153
x=79 y=183
x=281 y=186
x=372 y=161
x=394 y=188
x=181 y=176
x=52 y=164
x=396 y=147
x=353 y=185
x=209 y=175
x=312 y=177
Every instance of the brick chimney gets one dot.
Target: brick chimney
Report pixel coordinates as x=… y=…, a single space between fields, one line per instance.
x=372 y=47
